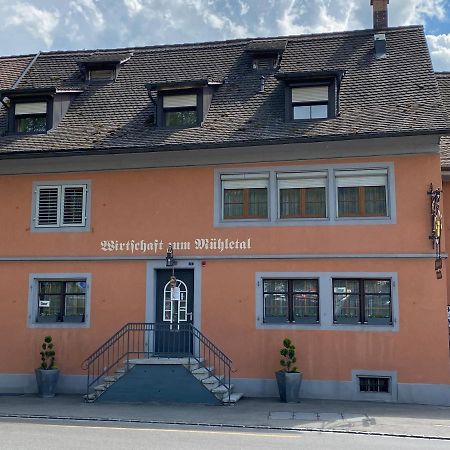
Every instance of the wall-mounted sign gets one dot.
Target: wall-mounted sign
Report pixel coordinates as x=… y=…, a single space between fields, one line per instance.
x=44 y=303
x=158 y=246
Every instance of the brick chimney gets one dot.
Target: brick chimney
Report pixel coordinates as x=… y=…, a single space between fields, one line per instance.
x=380 y=14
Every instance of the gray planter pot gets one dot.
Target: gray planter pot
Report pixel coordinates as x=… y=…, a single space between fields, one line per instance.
x=46 y=381
x=289 y=385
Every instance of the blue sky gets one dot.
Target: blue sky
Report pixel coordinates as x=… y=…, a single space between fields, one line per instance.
x=31 y=25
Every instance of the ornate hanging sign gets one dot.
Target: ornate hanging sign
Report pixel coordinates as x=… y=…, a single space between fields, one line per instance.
x=436 y=227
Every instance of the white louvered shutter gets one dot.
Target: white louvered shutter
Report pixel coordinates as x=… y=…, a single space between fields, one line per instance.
x=22 y=109
x=310 y=94
x=73 y=205
x=355 y=178
x=180 y=101
x=245 y=181
x=47 y=211
x=302 y=180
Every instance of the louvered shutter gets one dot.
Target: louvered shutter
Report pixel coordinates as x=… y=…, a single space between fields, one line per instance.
x=47 y=211
x=301 y=180
x=310 y=94
x=355 y=178
x=73 y=205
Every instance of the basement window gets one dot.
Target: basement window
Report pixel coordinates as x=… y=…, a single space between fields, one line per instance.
x=30 y=117
x=180 y=111
x=375 y=384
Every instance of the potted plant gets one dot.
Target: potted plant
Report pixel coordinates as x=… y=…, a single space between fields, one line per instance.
x=289 y=378
x=47 y=375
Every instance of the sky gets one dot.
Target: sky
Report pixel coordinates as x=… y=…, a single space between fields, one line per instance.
x=27 y=26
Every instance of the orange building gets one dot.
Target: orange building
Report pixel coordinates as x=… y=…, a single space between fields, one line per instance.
x=288 y=175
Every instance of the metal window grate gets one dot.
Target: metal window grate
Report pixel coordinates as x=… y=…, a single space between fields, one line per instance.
x=375 y=384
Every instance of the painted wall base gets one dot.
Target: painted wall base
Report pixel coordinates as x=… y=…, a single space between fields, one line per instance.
x=26 y=384
x=424 y=394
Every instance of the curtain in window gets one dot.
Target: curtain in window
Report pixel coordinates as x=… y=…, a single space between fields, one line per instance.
x=315 y=202
x=257 y=203
x=348 y=200
x=375 y=200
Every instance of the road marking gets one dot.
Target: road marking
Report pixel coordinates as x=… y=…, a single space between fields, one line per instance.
x=169 y=430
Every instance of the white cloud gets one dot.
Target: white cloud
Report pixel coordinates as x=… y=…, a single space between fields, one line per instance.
x=133 y=6
x=40 y=23
x=244 y=7
x=440 y=51
x=89 y=11
x=413 y=12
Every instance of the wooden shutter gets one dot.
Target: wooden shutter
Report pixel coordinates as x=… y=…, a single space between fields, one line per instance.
x=73 y=205
x=47 y=211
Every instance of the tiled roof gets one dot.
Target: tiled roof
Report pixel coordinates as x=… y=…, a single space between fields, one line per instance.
x=396 y=95
x=443 y=79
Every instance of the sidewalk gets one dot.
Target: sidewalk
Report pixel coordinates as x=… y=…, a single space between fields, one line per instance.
x=324 y=415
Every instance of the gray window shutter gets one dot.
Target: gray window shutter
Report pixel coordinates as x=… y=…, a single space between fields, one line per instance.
x=73 y=205
x=47 y=214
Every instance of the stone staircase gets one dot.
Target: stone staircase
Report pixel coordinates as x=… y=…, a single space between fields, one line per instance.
x=202 y=375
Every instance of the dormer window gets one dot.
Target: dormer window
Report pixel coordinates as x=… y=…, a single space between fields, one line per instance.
x=180 y=110
x=310 y=102
x=102 y=67
x=30 y=117
x=311 y=95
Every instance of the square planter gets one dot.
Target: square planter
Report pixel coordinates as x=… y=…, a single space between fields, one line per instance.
x=46 y=380
x=289 y=385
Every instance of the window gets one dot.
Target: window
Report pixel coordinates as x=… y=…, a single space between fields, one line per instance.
x=30 y=117
x=180 y=110
x=60 y=206
x=362 y=193
x=302 y=195
x=291 y=300
x=310 y=102
x=365 y=301
x=61 y=301
x=245 y=196
x=374 y=384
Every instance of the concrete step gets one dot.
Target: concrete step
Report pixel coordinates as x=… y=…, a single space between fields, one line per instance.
x=212 y=382
x=201 y=373
x=222 y=389
x=234 y=397
x=90 y=397
x=100 y=387
x=110 y=379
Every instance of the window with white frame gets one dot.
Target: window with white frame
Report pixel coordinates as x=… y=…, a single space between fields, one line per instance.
x=59 y=206
x=302 y=195
x=180 y=110
x=245 y=196
x=310 y=102
x=362 y=193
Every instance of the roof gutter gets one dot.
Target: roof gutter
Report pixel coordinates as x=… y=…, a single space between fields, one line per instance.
x=164 y=148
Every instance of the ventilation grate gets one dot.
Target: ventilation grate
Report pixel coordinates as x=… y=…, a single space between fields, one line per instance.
x=375 y=384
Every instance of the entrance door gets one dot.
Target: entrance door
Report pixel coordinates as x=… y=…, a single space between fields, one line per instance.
x=174 y=312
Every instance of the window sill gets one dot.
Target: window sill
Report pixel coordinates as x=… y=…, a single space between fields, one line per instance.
x=68 y=229
x=58 y=325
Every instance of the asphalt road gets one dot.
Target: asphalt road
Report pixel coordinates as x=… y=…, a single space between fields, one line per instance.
x=60 y=435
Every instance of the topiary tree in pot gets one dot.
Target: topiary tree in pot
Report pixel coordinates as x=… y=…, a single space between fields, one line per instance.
x=47 y=374
x=289 y=379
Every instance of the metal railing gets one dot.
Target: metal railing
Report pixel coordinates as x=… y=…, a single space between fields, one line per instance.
x=164 y=340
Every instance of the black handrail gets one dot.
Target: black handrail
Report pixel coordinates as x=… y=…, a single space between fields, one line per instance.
x=165 y=340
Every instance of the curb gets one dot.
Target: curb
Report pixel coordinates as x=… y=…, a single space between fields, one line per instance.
x=220 y=425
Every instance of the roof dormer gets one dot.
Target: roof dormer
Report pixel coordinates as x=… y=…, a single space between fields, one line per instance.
x=266 y=54
x=180 y=104
x=99 y=67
